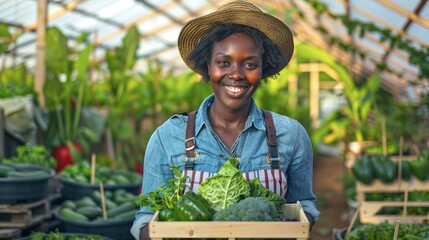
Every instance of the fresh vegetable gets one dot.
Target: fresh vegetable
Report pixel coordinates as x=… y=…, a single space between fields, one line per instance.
x=66 y=155
x=56 y=235
x=362 y=170
x=167 y=194
x=81 y=172
x=384 y=169
x=405 y=170
x=167 y=214
x=258 y=190
x=91 y=209
x=228 y=186
x=72 y=215
x=250 y=209
x=4 y=170
x=386 y=231
x=420 y=168
x=28 y=174
x=192 y=207
x=32 y=155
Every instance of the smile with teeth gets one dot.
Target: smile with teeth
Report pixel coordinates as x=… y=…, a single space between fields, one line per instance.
x=234 y=89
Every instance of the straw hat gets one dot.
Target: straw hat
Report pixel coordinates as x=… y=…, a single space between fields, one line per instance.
x=236 y=12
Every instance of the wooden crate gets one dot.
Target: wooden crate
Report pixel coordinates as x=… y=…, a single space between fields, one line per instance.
x=233 y=230
x=24 y=215
x=368 y=209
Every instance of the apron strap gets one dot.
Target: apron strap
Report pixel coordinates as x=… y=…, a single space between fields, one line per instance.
x=273 y=157
x=190 y=141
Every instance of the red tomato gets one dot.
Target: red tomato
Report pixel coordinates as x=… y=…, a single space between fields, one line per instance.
x=138 y=167
x=63 y=155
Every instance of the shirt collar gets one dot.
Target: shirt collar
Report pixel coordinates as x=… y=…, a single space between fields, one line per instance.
x=254 y=119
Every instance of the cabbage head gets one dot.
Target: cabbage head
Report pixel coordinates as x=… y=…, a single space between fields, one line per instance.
x=228 y=186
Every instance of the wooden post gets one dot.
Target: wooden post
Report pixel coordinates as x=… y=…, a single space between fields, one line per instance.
x=293 y=84
x=40 y=50
x=314 y=93
x=2 y=132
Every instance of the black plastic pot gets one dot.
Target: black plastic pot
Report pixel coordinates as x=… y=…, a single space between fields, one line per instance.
x=66 y=235
x=19 y=190
x=115 y=229
x=72 y=190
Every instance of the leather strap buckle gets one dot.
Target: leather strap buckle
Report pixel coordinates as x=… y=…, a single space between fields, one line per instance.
x=190 y=144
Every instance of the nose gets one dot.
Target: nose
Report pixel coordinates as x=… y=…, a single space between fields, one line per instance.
x=236 y=72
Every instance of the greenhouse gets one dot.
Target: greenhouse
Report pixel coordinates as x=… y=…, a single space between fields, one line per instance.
x=238 y=119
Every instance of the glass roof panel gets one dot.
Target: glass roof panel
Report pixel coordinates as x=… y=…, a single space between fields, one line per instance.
x=420 y=32
x=425 y=12
x=409 y=5
x=374 y=8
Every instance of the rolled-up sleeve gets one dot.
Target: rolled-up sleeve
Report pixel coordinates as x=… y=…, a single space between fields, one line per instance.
x=300 y=174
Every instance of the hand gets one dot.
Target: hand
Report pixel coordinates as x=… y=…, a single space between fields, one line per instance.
x=144 y=233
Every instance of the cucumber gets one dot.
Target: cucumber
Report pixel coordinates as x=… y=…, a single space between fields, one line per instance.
x=69 y=204
x=97 y=198
x=4 y=171
x=85 y=202
x=127 y=206
x=91 y=212
x=71 y=215
x=130 y=214
x=27 y=175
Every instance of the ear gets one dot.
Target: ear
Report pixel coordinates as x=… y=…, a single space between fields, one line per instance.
x=208 y=69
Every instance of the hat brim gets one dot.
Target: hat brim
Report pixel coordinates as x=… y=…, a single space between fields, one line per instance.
x=194 y=30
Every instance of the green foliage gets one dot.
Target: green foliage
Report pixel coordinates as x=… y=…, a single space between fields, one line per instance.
x=360 y=98
x=64 y=91
x=33 y=155
x=249 y=209
x=166 y=195
x=228 y=186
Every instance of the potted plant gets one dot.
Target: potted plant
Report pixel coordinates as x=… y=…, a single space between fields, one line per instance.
x=64 y=92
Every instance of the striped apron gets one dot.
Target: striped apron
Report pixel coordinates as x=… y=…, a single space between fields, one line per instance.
x=272 y=179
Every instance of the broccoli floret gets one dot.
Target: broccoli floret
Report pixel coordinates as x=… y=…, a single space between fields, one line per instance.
x=249 y=209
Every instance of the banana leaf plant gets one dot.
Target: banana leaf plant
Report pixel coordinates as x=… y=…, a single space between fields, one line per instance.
x=64 y=94
x=360 y=99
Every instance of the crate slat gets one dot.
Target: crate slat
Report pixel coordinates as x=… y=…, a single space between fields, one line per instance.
x=369 y=209
x=232 y=230
x=23 y=215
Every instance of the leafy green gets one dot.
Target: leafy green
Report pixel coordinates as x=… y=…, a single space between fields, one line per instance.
x=250 y=209
x=167 y=194
x=228 y=186
x=258 y=190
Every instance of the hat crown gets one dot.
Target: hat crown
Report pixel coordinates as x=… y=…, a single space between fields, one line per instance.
x=239 y=6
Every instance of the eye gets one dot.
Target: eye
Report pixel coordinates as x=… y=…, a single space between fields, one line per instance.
x=222 y=63
x=250 y=65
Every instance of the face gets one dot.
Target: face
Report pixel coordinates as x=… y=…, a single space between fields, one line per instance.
x=235 y=70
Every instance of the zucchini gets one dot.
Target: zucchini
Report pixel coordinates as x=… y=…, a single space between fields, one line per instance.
x=97 y=198
x=130 y=214
x=85 y=202
x=69 y=204
x=4 y=171
x=71 y=215
x=91 y=212
x=127 y=206
x=27 y=174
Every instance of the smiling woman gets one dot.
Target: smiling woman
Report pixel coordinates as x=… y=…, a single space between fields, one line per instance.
x=234 y=54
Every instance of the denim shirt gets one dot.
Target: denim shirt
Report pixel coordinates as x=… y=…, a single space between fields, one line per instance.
x=166 y=147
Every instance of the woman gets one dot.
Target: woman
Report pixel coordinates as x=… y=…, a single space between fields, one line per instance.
x=233 y=48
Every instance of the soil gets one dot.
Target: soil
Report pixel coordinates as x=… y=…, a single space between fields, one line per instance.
x=327 y=185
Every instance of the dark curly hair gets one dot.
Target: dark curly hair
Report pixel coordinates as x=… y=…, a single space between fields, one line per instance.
x=271 y=55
